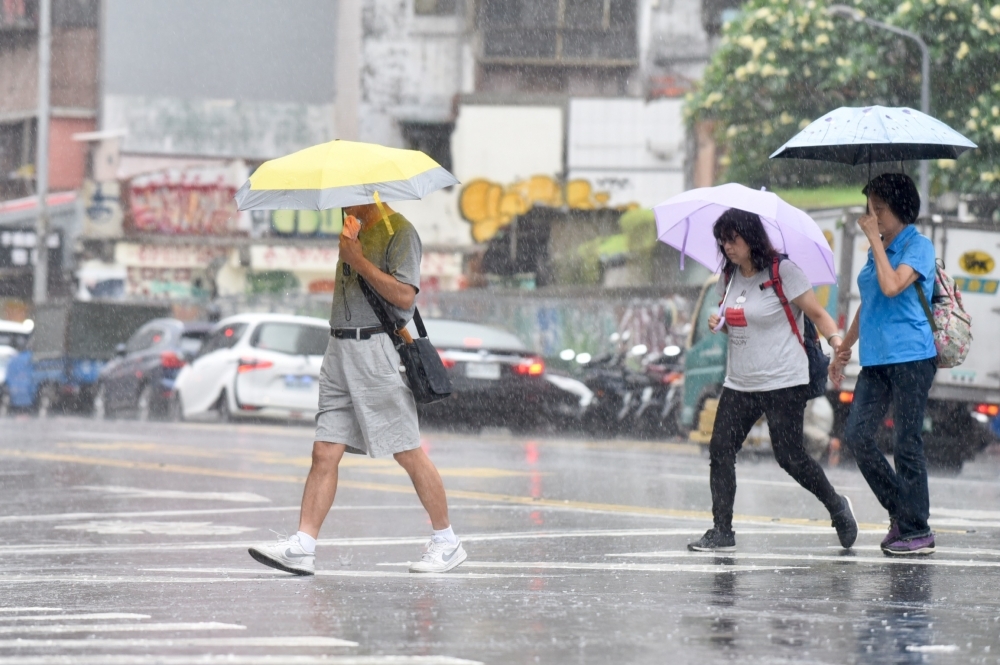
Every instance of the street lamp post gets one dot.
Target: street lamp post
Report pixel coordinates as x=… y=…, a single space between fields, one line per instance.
x=41 y=272
x=925 y=79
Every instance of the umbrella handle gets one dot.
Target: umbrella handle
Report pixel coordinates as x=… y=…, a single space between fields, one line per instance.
x=385 y=216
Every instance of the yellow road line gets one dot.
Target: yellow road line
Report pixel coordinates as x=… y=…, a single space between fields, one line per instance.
x=408 y=489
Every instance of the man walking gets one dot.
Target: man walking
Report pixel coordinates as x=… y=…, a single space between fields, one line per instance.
x=365 y=407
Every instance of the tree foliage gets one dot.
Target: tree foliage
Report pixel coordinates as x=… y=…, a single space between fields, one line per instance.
x=783 y=63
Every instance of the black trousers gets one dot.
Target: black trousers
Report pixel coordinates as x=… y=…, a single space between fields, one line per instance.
x=737 y=413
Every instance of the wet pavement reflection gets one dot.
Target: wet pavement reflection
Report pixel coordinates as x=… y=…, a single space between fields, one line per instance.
x=125 y=543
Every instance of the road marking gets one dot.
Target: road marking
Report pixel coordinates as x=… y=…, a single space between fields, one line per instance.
x=750 y=481
x=120 y=527
x=777 y=530
x=65 y=517
x=271 y=574
x=100 y=616
x=966 y=514
x=31 y=609
x=958 y=551
x=140 y=493
x=582 y=506
x=177 y=643
x=232 y=659
x=806 y=558
x=121 y=628
x=615 y=567
x=119 y=579
x=932 y=648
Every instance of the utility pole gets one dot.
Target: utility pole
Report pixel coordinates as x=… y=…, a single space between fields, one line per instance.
x=41 y=276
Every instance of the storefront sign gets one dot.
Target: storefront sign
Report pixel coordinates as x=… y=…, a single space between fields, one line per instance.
x=157 y=256
x=189 y=202
x=294 y=259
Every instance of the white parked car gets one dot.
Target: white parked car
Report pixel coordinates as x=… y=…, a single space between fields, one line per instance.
x=255 y=366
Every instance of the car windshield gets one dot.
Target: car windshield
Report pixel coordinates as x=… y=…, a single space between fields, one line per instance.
x=461 y=335
x=292 y=338
x=190 y=343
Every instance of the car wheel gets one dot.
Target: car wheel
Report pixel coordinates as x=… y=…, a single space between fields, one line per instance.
x=99 y=409
x=225 y=415
x=175 y=412
x=46 y=401
x=5 y=408
x=144 y=405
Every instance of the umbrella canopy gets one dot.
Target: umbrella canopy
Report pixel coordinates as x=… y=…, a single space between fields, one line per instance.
x=686 y=220
x=342 y=173
x=875 y=134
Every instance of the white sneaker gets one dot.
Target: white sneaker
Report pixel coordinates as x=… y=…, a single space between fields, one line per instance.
x=439 y=557
x=286 y=555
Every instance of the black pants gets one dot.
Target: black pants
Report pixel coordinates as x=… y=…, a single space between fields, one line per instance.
x=737 y=413
x=903 y=491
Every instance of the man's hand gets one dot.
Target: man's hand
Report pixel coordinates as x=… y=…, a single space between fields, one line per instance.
x=352 y=227
x=350 y=250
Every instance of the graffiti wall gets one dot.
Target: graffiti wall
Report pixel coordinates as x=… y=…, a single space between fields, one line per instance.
x=189 y=202
x=488 y=206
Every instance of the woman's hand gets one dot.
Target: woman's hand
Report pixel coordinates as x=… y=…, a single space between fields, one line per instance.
x=836 y=373
x=869 y=226
x=713 y=322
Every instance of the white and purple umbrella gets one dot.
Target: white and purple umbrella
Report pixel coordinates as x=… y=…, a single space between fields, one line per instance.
x=685 y=222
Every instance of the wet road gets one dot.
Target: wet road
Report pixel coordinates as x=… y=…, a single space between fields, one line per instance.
x=126 y=543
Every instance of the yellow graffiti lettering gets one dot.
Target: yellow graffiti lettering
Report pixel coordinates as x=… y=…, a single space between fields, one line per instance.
x=489 y=206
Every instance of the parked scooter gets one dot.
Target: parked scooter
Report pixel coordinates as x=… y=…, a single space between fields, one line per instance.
x=617 y=389
x=656 y=416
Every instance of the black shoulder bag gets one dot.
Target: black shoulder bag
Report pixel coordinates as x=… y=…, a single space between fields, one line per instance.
x=819 y=362
x=425 y=372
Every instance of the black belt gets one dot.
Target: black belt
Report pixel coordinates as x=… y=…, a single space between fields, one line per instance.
x=356 y=333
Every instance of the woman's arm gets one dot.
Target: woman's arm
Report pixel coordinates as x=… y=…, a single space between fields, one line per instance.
x=843 y=355
x=891 y=281
x=824 y=322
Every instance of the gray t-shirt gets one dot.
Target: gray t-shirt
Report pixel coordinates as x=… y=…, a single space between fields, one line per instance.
x=397 y=255
x=764 y=353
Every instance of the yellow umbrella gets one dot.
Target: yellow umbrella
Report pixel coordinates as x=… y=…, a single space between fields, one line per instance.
x=342 y=173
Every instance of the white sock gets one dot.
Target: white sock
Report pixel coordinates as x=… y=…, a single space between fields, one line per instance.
x=446 y=535
x=308 y=542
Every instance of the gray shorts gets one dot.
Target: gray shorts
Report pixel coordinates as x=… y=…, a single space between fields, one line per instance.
x=363 y=401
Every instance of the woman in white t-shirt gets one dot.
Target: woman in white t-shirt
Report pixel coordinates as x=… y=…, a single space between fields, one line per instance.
x=767 y=373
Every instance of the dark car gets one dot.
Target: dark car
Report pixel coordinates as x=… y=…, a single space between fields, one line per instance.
x=499 y=382
x=140 y=379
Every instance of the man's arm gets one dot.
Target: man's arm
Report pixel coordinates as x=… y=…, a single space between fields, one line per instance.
x=399 y=294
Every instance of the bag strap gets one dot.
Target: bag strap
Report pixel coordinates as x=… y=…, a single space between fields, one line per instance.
x=775 y=283
x=392 y=327
x=926 y=306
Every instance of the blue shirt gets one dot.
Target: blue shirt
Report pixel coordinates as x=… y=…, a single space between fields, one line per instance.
x=895 y=330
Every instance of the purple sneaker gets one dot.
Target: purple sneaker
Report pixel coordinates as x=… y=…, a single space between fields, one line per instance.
x=913 y=546
x=893 y=534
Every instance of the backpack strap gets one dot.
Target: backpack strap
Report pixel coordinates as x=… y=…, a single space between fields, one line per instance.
x=775 y=283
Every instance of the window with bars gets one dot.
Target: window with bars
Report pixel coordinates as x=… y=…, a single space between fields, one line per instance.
x=558 y=31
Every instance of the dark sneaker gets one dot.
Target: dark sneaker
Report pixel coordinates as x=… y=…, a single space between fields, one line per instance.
x=893 y=534
x=913 y=546
x=714 y=541
x=845 y=524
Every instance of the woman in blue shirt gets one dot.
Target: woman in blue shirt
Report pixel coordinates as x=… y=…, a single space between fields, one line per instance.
x=898 y=360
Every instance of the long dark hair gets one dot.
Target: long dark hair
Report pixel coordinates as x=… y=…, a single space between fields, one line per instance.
x=748 y=226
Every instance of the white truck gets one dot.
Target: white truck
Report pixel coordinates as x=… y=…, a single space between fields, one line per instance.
x=964 y=399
